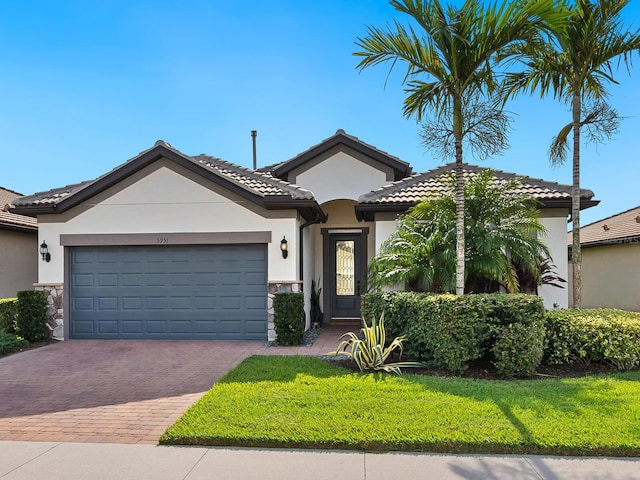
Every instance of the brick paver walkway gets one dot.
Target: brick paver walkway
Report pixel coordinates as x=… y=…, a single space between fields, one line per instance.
x=118 y=391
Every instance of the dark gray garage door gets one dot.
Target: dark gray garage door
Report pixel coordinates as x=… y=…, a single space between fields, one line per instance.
x=177 y=292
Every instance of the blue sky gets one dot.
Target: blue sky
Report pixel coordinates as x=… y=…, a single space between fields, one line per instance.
x=87 y=85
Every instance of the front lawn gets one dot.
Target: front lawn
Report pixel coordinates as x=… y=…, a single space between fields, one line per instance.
x=305 y=402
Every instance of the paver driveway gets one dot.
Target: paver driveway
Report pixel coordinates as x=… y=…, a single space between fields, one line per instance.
x=117 y=391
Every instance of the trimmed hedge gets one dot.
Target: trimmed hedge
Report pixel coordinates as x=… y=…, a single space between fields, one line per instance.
x=519 y=348
x=31 y=315
x=593 y=335
x=288 y=318
x=450 y=331
x=8 y=314
x=10 y=343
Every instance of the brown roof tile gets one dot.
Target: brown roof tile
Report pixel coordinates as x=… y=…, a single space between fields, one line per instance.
x=13 y=220
x=623 y=227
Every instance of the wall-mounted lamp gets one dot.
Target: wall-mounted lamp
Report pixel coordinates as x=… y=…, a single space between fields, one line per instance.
x=283 y=248
x=44 y=252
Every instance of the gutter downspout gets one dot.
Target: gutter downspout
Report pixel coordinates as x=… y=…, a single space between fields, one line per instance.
x=319 y=219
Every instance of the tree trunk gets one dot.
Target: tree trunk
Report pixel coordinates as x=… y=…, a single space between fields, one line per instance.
x=459 y=197
x=576 y=251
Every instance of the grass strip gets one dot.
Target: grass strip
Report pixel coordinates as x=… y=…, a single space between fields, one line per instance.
x=304 y=402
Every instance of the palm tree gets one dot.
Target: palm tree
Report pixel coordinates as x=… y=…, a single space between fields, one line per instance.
x=419 y=255
x=502 y=230
x=453 y=49
x=576 y=66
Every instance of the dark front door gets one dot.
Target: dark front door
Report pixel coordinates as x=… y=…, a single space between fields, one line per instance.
x=345 y=269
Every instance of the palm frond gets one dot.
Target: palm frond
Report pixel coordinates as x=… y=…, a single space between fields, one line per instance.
x=559 y=148
x=502 y=230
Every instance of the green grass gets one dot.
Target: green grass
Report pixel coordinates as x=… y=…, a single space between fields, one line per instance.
x=305 y=402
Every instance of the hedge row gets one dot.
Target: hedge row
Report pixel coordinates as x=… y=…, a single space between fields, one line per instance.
x=593 y=335
x=8 y=315
x=451 y=331
x=25 y=315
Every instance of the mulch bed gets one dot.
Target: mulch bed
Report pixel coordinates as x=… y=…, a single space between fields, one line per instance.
x=484 y=369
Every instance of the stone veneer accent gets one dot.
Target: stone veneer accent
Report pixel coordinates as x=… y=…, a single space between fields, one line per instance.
x=286 y=286
x=54 y=294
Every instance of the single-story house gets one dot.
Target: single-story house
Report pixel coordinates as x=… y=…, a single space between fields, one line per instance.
x=169 y=245
x=18 y=248
x=611 y=261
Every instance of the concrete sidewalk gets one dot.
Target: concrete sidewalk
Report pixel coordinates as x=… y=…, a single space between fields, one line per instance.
x=71 y=461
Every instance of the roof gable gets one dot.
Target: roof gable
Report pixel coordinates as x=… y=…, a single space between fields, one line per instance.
x=260 y=188
x=401 y=195
x=623 y=227
x=340 y=139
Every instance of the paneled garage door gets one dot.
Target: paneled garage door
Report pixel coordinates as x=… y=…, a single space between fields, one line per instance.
x=172 y=292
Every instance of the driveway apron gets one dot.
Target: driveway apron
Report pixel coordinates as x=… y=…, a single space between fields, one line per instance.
x=118 y=391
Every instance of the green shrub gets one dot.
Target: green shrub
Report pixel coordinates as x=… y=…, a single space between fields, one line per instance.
x=10 y=343
x=288 y=318
x=519 y=348
x=450 y=331
x=593 y=335
x=8 y=315
x=31 y=314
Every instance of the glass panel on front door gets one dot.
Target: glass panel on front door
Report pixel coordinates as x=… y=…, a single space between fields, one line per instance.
x=345 y=267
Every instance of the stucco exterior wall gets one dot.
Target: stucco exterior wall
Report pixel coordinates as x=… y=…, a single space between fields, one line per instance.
x=19 y=257
x=386 y=225
x=314 y=270
x=308 y=269
x=341 y=176
x=611 y=277
x=164 y=198
x=555 y=221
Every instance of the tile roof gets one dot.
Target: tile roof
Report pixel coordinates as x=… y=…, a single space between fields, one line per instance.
x=51 y=197
x=429 y=185
x=623 y=227
x=13 y=220
x=257 y=183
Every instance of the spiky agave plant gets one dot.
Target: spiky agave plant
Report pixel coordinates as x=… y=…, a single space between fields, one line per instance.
x=371 y=351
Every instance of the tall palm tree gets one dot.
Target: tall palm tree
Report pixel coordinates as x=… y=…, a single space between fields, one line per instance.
x=575 y=67
x=453 y=50
x=502 y=227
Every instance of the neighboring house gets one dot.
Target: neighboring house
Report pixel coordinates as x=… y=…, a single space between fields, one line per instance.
x=18 y=248
x=611 y=261
x=168 y=245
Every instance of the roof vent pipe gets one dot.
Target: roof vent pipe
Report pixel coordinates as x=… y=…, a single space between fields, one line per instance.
x=254 y=134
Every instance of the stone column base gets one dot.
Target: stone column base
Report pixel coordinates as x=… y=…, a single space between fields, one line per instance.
x=54 y=294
